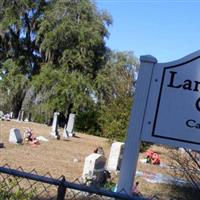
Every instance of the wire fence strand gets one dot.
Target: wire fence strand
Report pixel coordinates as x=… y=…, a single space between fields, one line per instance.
x=32 y=186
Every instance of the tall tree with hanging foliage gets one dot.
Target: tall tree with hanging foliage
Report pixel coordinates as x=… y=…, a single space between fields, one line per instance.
x=115 y=87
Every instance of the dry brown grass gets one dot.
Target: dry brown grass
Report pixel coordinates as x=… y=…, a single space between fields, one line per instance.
x=58 y=156
x=55 y=156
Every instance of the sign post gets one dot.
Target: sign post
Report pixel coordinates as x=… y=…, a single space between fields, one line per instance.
x=132 y=144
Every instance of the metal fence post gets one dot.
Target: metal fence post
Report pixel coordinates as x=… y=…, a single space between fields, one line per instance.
x=61 y=190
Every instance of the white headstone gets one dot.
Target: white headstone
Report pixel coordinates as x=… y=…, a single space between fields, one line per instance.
x=15 y=136
x=94 y=167
x=1 y=114
x=22 y=116
x=19 y=115
x=65 y=132
x=26 y=119
x=54 y=131
x=115 y=157
x=70 y=124
x=11 y=115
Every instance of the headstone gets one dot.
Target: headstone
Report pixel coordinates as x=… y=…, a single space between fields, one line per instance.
x=65 y=133
x=115 y=157
x=54 y=131
x=19 y=115
x=70 y=124
x=1 y=114
x=11 y=115
x=28 y=118
x=15 y=136
x=22 y=116
x=94 y=167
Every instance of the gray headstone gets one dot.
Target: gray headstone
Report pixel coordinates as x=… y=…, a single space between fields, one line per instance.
x=94 y=167
x=15 y=136
x=70 y=124
x=115 y=157
x=54 y=130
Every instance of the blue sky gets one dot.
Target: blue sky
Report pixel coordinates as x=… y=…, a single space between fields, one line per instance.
x=166 y=29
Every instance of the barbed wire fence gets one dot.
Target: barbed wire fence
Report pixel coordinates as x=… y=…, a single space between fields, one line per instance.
x=32 y=186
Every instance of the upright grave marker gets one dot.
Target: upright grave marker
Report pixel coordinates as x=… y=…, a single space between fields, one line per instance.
x=94 y=167
x=22 y=115
x=19 y=115
x=28 y=117
x=166 y=110
x=65 y=133
x=69 y=130
x=115 y=157
x=54 y=131
x=15 y=136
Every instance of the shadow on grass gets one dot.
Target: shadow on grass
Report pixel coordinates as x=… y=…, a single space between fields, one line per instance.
x=184 y=193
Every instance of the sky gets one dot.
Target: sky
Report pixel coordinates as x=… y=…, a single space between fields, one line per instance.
x=165 y=29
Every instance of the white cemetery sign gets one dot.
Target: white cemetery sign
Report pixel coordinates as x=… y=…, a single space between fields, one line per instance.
x=15 y=136
x=115 y=156
x=94 y=166
x=70 y=124
x=166 y=110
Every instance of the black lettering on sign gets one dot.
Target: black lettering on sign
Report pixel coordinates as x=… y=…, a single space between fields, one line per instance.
x=192 y=124
x=198 y=104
